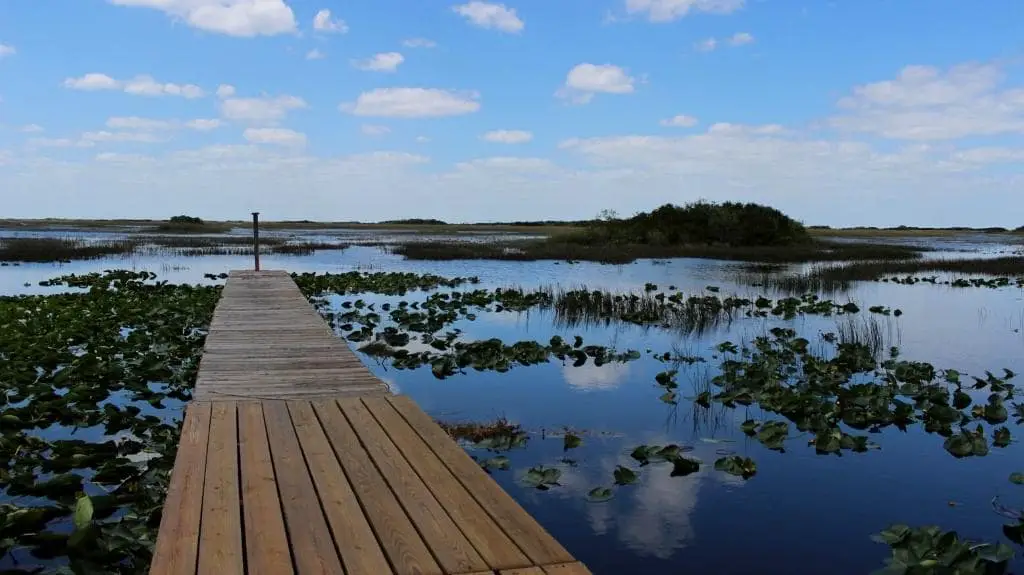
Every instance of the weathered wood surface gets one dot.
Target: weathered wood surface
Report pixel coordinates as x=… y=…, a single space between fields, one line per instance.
x=358 y=486
x=295 y=459
x=267 y=342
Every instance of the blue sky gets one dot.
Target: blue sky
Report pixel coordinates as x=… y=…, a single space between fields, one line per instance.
x=849 y=112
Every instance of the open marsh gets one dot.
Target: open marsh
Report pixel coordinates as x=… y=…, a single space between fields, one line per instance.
x=677 y=352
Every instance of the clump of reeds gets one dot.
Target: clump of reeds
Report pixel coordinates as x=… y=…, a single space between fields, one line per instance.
x=695 y=314
x=22 y=249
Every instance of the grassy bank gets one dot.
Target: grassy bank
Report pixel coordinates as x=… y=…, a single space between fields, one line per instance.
x=836 y=278
x=557 y=249
x=41 y=250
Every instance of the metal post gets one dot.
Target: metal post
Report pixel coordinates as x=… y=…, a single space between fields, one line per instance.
x=256 y=238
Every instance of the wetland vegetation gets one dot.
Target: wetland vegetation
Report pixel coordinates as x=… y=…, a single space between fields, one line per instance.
x=628 y=407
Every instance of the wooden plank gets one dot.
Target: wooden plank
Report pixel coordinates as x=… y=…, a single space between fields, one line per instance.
x=220 y=540
x=402 y=544
x=522 y=571
x=360 y=552
x=523 y=529
x=489 y=540
x=266 y=540
x=178 y=541
x=311 y=542
x=453 y=551
x=574 y=568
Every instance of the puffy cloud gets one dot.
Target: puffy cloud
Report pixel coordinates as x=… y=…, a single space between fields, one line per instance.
x=670 y=10
x=488 y=15
x=383 y=62
x=105 y=136
x=373 y=130
x=584 y=80
x=412 y=103
x=276 y=136
x=244 y=18
x=225 y=91
x=680 y=121
x=261 y=110
x=142 y=85
x=419 y=43
x=7 y=50
x=315 y=54
x=137 y=123
x=928 y=103
x=151 y=125
x=508 y=136
x=741 y=39
x=203 y=125
x=323 y=22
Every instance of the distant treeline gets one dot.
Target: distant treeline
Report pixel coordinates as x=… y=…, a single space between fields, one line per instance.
x=989 y=230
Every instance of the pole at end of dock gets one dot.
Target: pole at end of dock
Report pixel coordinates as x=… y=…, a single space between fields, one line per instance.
x=256 y=238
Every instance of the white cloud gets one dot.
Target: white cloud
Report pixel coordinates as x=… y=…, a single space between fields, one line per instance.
x=315 y=54
x=203 y=125
x=142 y=85
x=31 y=129
x=59 y=143
x=419 y=43
x=488 y=15
x=508 y=136
x=412 y=103
x=323 y=22
x=7 y=50
x=122 y=157
x=105 y=136
x=137 y=123
x=244 y=18
x=276 y=136
x=927 y=103
x=741 y=39
x=383 y=62
x=706 y=45
x=584 y=80
x=680 y=121
x=670 y=10
x=265 y=109
x=225 y=91
x=92 y=82
x=373 y=130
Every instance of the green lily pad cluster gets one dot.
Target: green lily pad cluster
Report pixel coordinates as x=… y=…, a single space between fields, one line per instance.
x=993 y=283
x=89 y=381
x=387 y=283
x=929 y=549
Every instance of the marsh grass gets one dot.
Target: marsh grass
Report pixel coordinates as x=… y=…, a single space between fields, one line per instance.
x=584 y=308
x=556 y=248
x=875 y=334
x=278 y=248
x=185 y=241
x=840 y=277
x=65 y=249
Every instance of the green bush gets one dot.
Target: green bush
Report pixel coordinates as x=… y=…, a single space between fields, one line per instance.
x=729 y=223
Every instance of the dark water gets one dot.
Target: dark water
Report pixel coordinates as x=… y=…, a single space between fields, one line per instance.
x=801 y=514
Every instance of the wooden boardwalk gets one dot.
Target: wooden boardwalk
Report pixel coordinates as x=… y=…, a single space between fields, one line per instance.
x=334 y=476
x=267 y=342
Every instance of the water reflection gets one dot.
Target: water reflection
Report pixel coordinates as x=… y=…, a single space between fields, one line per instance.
x=591 y=377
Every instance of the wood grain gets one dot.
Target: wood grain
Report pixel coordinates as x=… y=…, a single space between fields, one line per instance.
x=401 y=542
x=267 y=549
x=524 y=530
x=220 y=539
x=486 y=536
x=177 y=546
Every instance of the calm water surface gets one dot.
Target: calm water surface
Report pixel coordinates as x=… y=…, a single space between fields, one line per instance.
x=801 y=514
